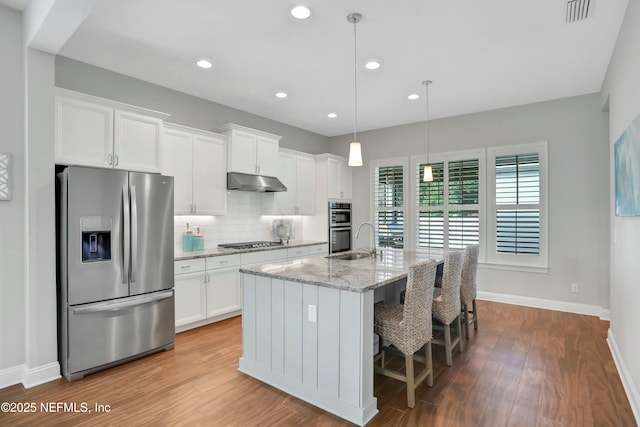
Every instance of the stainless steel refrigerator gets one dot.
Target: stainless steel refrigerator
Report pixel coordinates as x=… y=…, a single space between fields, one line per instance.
x=115 y=267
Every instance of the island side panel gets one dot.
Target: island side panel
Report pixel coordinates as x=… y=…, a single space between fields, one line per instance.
x=263 y=321
x=329 y=362
x=249 y=318
x=328 y=351
x=278 y=328
x=293 y=331
x=309 y=336
x=356 y=348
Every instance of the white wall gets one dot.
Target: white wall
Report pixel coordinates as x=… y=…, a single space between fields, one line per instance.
x=622 y=90
x=12 y=213
x=576 y=132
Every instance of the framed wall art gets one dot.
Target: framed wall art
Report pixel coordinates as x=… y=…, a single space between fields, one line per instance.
x=5 y=176
x=627 y=170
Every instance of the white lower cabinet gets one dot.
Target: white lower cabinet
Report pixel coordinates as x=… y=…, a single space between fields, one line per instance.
x=209 y=289
x=190 y=296
x=223 y=285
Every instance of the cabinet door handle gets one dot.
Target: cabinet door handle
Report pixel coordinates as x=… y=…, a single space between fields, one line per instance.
x=224 y=262
x=185 y=267
x=116 y=160
x=110 y=159
x=195 y=208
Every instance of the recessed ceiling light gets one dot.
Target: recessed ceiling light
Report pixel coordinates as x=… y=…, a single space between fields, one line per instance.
x=372 y=65
x=332 y=115
x=203 y=63
x=301 y=12
x=413 y=96
x=281 y=95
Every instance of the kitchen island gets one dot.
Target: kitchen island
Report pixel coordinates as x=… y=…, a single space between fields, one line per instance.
x=307 y=326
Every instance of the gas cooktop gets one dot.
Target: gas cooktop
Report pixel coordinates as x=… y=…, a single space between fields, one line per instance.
x=249 y=245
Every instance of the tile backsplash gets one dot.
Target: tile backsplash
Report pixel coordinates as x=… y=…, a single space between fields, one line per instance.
x=243 y=222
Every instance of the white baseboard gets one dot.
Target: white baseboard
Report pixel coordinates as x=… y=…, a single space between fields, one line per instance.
x=29 y=377
x=41 y=374
x=627 y=382
x=569 y=307
x=11 y=376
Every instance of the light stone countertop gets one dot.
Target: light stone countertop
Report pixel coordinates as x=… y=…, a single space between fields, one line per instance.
x=179 y=255
x=359 y=275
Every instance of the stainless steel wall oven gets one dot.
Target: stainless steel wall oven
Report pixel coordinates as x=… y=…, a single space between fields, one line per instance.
x=339 y=227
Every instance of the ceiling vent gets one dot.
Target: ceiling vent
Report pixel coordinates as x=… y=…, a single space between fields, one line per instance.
x=577 y=10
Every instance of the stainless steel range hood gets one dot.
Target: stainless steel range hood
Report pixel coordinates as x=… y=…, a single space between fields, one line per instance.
x=259 y=183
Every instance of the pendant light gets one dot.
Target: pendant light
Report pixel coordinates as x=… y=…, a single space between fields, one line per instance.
x=427 y=175
x=355 y=150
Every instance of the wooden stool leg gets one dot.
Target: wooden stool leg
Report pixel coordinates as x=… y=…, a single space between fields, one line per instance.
x=465 y=320
x=411 y=388
x=447 y=344
x=429 y=363
x=461 y=338
x=475 y=315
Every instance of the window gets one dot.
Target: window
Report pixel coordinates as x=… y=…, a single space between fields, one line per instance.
x=389 y=202
x=448 y=208
x=518 y=215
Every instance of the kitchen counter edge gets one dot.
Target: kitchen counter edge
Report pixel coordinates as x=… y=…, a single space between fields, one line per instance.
x=212 y=252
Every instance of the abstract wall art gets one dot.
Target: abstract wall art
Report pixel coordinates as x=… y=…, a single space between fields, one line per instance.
x=5 y=176
x=627 y=170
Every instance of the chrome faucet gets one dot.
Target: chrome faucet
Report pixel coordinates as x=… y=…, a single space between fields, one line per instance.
x=373 y=235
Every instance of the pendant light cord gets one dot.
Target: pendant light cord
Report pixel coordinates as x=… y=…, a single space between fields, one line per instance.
x=355 y=81
x=426 y=84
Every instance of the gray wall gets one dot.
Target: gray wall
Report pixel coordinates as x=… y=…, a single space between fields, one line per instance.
x=185 y=109
x=576 y=132
x=622 y=90
x=12 y=213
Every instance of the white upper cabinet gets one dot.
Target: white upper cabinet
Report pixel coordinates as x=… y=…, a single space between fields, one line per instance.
x=198 y=162
x=297 y=172
x=338 y=178
x=92 y=131
x=251 y=151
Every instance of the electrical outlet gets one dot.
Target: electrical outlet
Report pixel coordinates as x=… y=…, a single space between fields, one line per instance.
x=312 y=313
x=575 y=288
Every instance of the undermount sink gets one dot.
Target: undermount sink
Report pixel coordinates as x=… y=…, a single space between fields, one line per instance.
x=351 y=256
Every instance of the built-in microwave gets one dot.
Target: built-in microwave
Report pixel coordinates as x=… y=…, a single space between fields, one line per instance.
x=339 y=214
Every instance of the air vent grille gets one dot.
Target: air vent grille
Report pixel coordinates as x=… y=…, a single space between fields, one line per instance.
x=577 y=10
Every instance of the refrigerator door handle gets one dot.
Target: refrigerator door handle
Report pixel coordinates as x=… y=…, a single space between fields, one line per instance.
x=134 y=233
x=126 y=234
x=119 y=306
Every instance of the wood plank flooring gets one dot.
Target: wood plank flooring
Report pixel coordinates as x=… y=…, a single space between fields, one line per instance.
x=524 y=367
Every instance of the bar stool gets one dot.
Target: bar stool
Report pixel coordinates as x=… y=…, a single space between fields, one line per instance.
x=446 y=304
x=408 y=327
x=468 y=288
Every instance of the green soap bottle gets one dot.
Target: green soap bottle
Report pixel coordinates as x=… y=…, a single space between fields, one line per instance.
x=187 y=240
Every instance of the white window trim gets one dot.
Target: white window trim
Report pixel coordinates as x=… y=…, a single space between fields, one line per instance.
x=396 y=161
x=443 y=158
x=528 y=262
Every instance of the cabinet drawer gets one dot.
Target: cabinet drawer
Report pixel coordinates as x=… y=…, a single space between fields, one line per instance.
x=263 y=257
x=223 y=261
x=299 y=252
x=189 y=265
x=318 y=250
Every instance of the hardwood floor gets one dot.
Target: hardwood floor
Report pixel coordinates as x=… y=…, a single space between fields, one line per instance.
x=524 y=367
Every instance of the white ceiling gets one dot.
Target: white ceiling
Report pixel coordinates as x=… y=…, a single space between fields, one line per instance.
x=480 y=54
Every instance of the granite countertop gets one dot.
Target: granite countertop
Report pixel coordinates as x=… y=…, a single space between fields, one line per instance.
x=179 y=255
x=358 y=275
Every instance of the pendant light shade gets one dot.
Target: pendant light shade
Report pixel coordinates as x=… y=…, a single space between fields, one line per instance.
x=355 y=149
x=427 y=174
x=355 y=154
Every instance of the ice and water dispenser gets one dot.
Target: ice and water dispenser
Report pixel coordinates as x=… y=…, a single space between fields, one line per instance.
x=96 y=238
